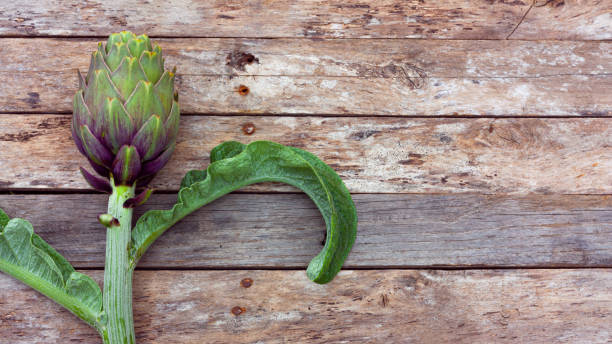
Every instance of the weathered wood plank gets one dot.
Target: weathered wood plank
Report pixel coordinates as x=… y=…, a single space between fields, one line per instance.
x=393 y=306
x=332 y=57
x=462 y=19
x=375 y=77
x=573 y=95
x=286 y=230
x=456 y=19
x=567 y=19
x=376 y=154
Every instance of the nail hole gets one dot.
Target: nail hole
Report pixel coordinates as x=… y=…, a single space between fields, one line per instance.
x=246 y=282
x=243 y=90
x=248 y=128
x=238 y=310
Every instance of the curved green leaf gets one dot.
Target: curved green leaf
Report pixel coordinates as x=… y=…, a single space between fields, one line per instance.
x=234 y=165
x=4 y=219
x=28 y=258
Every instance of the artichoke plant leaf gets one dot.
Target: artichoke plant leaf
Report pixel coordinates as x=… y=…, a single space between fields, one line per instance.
x=234 y=165
x=28 y=258
x=4 y=219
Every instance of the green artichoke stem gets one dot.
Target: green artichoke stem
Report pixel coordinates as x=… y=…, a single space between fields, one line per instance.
x=117 y=271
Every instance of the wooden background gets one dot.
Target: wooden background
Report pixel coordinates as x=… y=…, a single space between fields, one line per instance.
x=475 y=137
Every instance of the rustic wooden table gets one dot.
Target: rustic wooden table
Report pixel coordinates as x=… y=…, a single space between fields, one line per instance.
x=475 y=136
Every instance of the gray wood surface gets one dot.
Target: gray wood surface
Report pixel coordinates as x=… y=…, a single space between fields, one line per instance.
x=333 y=57
x=475 y=136
x=399 y=155
x=456 y=19
x=384 y=19
x=390 y=306
x=286 y=231
x=566 y=19
x=339 y=77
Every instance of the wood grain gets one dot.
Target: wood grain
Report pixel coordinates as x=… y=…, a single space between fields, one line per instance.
x=286 y=230
x=393 y=306
x=347 y=77
x=336 y=19
x=448 y=155
x=332 y=57
x=490 y=180
x=567 y=19
x=455 y=19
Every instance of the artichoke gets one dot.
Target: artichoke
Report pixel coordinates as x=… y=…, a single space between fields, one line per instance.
x=126 y=112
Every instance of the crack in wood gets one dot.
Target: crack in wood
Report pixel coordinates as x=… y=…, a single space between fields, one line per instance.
x=522 y=18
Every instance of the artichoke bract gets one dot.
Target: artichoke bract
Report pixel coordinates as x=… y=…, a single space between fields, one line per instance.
x=126 y=112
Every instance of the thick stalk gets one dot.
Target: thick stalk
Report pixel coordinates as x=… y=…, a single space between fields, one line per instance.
x=117 y=272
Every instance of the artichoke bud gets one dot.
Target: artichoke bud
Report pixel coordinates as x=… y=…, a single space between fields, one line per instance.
x=126 y=112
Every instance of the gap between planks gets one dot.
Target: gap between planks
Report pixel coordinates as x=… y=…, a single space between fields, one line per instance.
x=331 y=115
x=102 y=38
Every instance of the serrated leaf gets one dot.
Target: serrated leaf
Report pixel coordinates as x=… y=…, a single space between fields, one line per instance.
x=226 y=150
x=28 y=258
x=192 y=177
x=236 y=165
x=4 y=219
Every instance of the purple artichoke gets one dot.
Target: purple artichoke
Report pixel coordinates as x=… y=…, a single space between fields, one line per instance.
x=126 y=112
